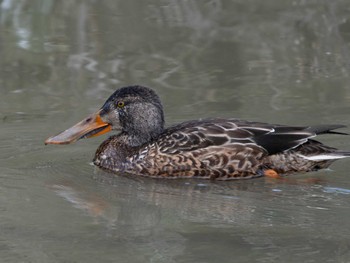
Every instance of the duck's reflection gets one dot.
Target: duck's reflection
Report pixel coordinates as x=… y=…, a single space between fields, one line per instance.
x=168 y=216
x=140 y=205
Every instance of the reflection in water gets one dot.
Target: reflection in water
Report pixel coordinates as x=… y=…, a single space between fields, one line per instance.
x=216 y=216
x=337 y=190
x=94 y=207
x=209 y=58
x=239 y=203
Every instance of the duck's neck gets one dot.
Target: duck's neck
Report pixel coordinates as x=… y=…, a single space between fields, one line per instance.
x=143 y=123
x=137 y=140
x=139 y=131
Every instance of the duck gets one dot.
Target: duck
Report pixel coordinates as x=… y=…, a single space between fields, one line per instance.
x=212 y=148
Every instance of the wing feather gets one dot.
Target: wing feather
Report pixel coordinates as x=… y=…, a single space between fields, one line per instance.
x=271 y=138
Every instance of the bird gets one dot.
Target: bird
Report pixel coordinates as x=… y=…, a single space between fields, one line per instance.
x=211 y=148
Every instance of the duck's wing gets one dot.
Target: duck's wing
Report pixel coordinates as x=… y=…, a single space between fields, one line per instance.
x=267 y=138
x=284 y=138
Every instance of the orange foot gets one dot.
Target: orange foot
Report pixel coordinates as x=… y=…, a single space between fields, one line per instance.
x=271 y=174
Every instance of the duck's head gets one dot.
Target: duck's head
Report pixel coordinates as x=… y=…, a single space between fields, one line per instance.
x=136 y=111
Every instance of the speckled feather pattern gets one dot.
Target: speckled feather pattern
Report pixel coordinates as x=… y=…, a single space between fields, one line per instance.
x=217 y=149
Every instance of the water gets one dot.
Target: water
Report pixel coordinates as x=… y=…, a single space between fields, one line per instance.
x=282 y=62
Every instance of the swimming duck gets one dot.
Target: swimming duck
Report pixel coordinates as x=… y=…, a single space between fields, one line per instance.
x=209 y=148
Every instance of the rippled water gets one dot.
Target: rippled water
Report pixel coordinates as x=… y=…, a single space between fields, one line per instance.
x=282 y=62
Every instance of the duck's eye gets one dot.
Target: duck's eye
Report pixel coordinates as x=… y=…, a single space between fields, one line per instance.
x=120 y=104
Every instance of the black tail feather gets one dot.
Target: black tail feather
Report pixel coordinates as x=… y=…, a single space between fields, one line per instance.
x=324 y=129
x=343 y=153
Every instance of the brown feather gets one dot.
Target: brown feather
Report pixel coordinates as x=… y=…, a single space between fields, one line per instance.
x=218 y=148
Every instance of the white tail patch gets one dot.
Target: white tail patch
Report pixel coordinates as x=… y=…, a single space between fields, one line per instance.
x=323 y=157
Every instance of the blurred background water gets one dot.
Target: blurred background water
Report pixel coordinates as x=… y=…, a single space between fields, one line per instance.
x=283 y=62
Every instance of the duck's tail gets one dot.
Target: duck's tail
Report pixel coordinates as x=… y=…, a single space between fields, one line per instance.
x=322 y=152
x=326 y=129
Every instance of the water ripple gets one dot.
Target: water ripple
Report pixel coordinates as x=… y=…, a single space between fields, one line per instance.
x=336 y=190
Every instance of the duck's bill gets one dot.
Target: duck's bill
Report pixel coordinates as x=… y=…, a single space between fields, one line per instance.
x=91 y=126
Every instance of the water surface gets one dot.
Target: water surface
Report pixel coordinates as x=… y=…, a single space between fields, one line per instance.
x=282 y=62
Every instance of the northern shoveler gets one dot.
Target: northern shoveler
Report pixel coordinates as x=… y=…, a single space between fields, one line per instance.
x=209 y=148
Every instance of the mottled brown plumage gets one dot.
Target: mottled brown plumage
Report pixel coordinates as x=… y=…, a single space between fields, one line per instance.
x=209 y=149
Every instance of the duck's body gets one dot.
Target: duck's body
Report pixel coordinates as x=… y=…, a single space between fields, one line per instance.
x=220 y=148
x=209 y=149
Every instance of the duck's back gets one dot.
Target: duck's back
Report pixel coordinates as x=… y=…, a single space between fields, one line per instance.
x=229 y=149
